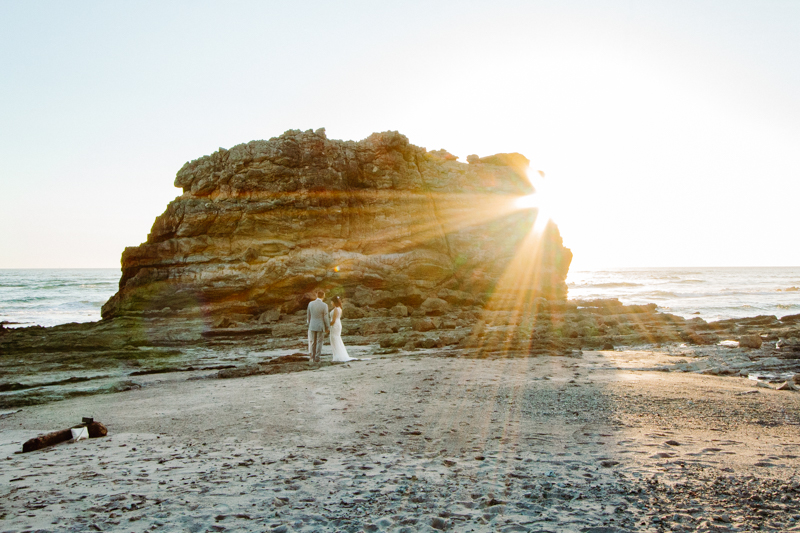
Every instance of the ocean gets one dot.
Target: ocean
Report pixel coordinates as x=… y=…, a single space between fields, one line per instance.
x=708 y=293
x=49 y=297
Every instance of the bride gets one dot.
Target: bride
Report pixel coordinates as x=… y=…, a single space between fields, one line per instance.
x=339 y=351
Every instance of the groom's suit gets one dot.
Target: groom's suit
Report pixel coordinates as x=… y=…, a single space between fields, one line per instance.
x=317 y=319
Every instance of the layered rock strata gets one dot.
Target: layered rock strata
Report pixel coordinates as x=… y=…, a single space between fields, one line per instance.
x=380 y=221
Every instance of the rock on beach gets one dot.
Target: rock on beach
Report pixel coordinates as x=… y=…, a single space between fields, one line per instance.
x=261 y=226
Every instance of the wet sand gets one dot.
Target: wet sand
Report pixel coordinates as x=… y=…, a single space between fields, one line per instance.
x=417 y=443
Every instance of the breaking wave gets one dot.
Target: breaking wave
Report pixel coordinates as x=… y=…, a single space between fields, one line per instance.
x=609 y=285
x=710 y=293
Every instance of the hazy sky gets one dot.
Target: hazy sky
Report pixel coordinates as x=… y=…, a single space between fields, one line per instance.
x=669 y=131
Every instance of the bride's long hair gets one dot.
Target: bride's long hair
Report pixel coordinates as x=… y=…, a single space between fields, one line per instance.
x=337 y=301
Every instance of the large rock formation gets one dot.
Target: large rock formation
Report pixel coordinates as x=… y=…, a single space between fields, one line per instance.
x=379 y=221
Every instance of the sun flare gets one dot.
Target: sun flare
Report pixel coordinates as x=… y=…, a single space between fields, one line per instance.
x=527 y=202
x=543 y=200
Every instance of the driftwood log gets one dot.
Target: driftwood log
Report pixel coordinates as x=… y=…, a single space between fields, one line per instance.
x=96 y=429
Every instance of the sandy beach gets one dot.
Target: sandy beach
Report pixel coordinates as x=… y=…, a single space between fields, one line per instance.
x=423 y=442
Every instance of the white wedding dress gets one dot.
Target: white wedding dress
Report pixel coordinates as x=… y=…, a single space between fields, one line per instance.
x=340 y=354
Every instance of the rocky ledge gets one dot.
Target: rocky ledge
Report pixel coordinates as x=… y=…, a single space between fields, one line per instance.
x=44 y=364
x=380 y=221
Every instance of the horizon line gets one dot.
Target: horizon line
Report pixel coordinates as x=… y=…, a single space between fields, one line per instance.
x=604 y=267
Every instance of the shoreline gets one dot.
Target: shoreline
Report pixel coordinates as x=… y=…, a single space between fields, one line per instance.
x=40 y=365
x=711 y=293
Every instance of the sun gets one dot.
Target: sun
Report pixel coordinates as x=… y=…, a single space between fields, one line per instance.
x=544 y=201
x=530 y=201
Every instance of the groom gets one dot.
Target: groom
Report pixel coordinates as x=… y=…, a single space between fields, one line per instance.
x=317 y=320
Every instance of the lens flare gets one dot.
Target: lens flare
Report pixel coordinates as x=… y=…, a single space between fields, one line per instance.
x=544 y=201
x=530 y=201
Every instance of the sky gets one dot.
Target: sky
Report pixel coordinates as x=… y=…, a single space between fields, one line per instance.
x=668 y=131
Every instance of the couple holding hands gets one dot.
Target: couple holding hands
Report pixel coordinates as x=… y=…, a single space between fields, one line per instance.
x=319 y=321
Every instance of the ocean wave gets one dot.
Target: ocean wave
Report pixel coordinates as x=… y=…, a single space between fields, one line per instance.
x=607 y=285
x=744 y=292
x=59 y=285
x=27 y=299
x=692 y=281
x=661 y=294
x=62 y=282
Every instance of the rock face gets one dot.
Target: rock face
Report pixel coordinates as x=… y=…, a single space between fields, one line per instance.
x=750 y=341
x=380 y=221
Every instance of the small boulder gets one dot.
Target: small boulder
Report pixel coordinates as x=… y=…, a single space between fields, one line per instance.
x=393 y=341
x=698 y=338
x=428 y=342
x=352 y=311
x=434 y=307
x=224 y=322
x=786 y=385
x=439 y=523
x=450 y=339
x=458 y=298
x=399 y=310
x=423 y=324
x=273 y=315
x=750 y=341
x=376 y=328
x=473 y=159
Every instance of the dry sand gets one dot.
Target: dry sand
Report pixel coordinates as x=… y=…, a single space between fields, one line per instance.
x=417 y=443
